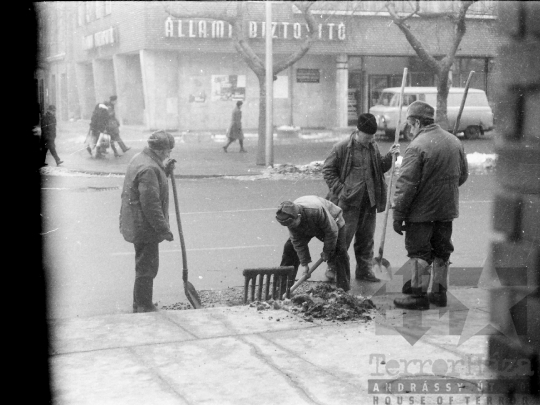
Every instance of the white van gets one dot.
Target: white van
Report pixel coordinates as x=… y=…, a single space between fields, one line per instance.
x=476 y=118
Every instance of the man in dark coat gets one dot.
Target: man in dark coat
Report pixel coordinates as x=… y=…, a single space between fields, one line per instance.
x=48 y=136
x=235 y=129
x=311 y=216
x=354 y=172
x=113 y=127
x=425 y=203
x=144 y=215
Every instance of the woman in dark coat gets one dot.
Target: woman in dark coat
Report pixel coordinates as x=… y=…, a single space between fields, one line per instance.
x=235 y=129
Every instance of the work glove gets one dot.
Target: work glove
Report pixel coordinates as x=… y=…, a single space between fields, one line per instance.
x=325 y=256
x=394 y=150
x=169 y=166
x=306 y=271
x=399 y=226
x=169 y=236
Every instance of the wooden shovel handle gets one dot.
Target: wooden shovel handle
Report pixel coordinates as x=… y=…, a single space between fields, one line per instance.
x=179 y=223
x=458 y=119
x=396 y=140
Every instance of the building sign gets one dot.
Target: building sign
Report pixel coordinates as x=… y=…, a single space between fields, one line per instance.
x=100 y=38
x=176 y=28
x=228 y=87
x=308 y=75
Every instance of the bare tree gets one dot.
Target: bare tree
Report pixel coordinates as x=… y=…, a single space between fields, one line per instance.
x=234 y=13
x=440 y=67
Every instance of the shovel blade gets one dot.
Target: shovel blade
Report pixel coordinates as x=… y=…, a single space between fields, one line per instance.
x=382 y=268
x=192 y=295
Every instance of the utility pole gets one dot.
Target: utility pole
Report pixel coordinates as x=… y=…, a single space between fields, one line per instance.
x=269 y=88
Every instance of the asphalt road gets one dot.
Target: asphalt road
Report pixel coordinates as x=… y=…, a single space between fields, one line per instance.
x=228 y=226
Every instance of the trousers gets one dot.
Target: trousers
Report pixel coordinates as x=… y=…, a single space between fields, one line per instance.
x=146 y=269
x=360 y=225
x=427 y=240
x=339 y=260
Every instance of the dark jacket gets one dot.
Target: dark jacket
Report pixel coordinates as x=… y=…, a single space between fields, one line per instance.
x=321 y=219
x=337 y=168
x=48 y=128
x=144 y=215
x=100 y=118
x=433 y=167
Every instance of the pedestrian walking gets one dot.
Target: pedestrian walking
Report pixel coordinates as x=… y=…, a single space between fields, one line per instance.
x=354 y=172
x=48 y=136
x=425 y=203
x=235 y=129
x=113 y=127
x=144 y=214
x=98 y=125
x=311 y=216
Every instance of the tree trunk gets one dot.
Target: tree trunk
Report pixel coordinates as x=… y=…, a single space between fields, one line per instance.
x=261 y=147
x=441 y=116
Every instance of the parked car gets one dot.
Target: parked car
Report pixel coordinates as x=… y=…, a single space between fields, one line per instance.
x=476 y=119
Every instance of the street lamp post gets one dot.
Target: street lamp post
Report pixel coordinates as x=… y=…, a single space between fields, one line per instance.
x=269 y=88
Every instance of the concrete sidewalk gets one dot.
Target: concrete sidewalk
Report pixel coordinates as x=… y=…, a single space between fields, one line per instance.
x=238 y=355
x=198 y=154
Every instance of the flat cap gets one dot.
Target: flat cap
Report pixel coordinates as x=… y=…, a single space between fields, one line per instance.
x=419 y=109
x=287 y=212
x=160 y=140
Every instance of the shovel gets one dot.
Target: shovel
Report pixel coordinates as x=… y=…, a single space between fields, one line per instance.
x=304 y=278
x=380 y=264
x=458 y=119
x=191 y=292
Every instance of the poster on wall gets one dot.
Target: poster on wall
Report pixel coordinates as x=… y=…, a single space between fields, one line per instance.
x=196 y=91
x=228 y=87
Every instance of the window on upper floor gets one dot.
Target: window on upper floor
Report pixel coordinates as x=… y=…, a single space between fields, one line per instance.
x=108 y=7
x=80 y=14
x=89 y=11
x=99 y=9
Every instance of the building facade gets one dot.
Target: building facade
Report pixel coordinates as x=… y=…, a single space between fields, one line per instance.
x=185 y=73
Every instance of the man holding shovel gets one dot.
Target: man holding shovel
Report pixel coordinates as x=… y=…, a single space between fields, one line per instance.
x=354 y=172
x=425 y=203
x=144 y=214
x=311 y=216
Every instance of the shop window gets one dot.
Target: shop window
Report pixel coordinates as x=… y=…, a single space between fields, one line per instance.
x=108 y=7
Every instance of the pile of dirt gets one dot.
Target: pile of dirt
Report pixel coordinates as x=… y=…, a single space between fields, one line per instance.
x=327 y=302
x=312 y=300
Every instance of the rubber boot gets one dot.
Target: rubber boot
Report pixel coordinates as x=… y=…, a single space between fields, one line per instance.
x=366 y=275
x=418 y=300
x=143 y=295
x=407 y=269
x=437 y=295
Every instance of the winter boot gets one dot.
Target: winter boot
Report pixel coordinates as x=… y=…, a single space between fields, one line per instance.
x=366 y=275
x=407 y=267
x=418 y=300
x=437 y=295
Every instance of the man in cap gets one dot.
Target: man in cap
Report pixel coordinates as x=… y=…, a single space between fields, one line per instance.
x=48 y=136
x=311 y=216
x=144 y=214
x=354 y=172
x=425 y=203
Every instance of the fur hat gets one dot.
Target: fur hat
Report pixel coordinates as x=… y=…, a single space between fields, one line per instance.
x=161 y=140
x=287 y=212
x=420 y=109
x=367 y=123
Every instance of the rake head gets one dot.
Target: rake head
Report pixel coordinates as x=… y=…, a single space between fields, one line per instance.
x=276 y=281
